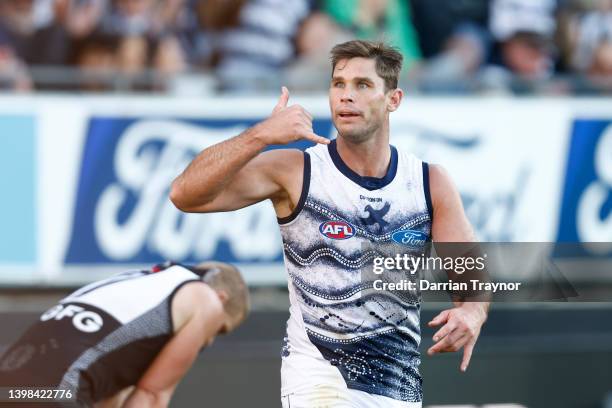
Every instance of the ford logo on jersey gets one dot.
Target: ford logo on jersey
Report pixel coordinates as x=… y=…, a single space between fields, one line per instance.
x=337 y=229
x=409 y=237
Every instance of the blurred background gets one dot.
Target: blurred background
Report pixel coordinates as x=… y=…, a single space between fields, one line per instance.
x=547 y=47
x=104 y=102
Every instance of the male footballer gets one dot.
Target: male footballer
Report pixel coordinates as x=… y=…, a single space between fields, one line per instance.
x=339 y=204
x=127 y=341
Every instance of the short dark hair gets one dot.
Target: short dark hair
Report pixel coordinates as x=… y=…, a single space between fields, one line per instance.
x=388 y=58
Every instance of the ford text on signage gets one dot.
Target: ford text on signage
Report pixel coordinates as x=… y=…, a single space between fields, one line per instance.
x=123 y=214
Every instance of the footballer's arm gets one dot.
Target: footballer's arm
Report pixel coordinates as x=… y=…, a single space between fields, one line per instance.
x=235 y=173
x=198 y=316
x=460 y=325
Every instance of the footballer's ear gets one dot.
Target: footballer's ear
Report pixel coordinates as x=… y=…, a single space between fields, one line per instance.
x=223 y=296
x=395 y=99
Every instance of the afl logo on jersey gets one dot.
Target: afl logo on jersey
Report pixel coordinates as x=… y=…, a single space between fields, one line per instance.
x=410 y=238
x=337 y=229
x=84 y=320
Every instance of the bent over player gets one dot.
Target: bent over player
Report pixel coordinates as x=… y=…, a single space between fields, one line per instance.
x=129 y=339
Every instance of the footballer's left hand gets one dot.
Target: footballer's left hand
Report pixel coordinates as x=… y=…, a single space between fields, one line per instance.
x=461 y=328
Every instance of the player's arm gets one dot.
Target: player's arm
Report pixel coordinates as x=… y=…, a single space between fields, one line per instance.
x=461 y=324
x=234 y=173
x=117 y=400
x=206 y=317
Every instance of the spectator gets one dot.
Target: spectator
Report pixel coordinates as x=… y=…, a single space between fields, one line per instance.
x=41 y=31
x=17 y=22
x=586 y=44
x=13 y=73
x=97 y=58
x=78 y=17
x=131 y=55
x=387 y=20
x=65 y=22
x=592 y=39
x=253 y=54
x=317 y=35
x=601 y=66
x=213 y=17
x=129 y=18
x=149 y=32
x=436 y=22
x=524 y=49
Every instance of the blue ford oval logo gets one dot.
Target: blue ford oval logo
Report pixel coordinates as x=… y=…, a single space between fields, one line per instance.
x=410 y=237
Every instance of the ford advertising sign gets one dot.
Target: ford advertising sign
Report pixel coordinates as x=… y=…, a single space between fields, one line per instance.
x=586 y=209
x=123 y=214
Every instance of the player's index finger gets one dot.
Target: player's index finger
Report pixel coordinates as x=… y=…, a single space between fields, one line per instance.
x=467 y=356
x=440 y=318
x=435 y=322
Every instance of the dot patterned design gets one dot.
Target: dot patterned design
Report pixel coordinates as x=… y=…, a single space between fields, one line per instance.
x=366 y=315
x=354 y=364
x=331 y=253
x=335 y=320
x=384 y=364
x=324 y=295
x=352 y=340
x=286 y=349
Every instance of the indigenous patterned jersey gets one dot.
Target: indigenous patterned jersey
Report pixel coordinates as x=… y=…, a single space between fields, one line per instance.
x=341 y=330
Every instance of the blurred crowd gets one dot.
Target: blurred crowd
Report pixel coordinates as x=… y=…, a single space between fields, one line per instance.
x=449 y=46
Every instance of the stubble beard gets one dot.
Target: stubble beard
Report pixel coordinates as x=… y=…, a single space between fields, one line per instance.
x=361 y=134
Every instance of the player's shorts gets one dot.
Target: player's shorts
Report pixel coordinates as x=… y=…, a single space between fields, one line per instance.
x=330 y=396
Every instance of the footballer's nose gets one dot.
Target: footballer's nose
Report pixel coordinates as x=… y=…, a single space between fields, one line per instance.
x=347 y=96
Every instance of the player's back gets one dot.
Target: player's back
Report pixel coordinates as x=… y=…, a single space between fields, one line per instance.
x=100 y=338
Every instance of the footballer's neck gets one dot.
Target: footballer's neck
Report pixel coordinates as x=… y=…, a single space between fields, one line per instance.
x=369 y=158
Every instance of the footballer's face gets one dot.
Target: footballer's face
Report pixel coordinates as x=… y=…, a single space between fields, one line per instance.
x=230 y=323
x=358 y=101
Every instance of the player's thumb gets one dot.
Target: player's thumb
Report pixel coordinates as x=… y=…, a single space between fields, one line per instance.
x=283 y=100
x=440 y=318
